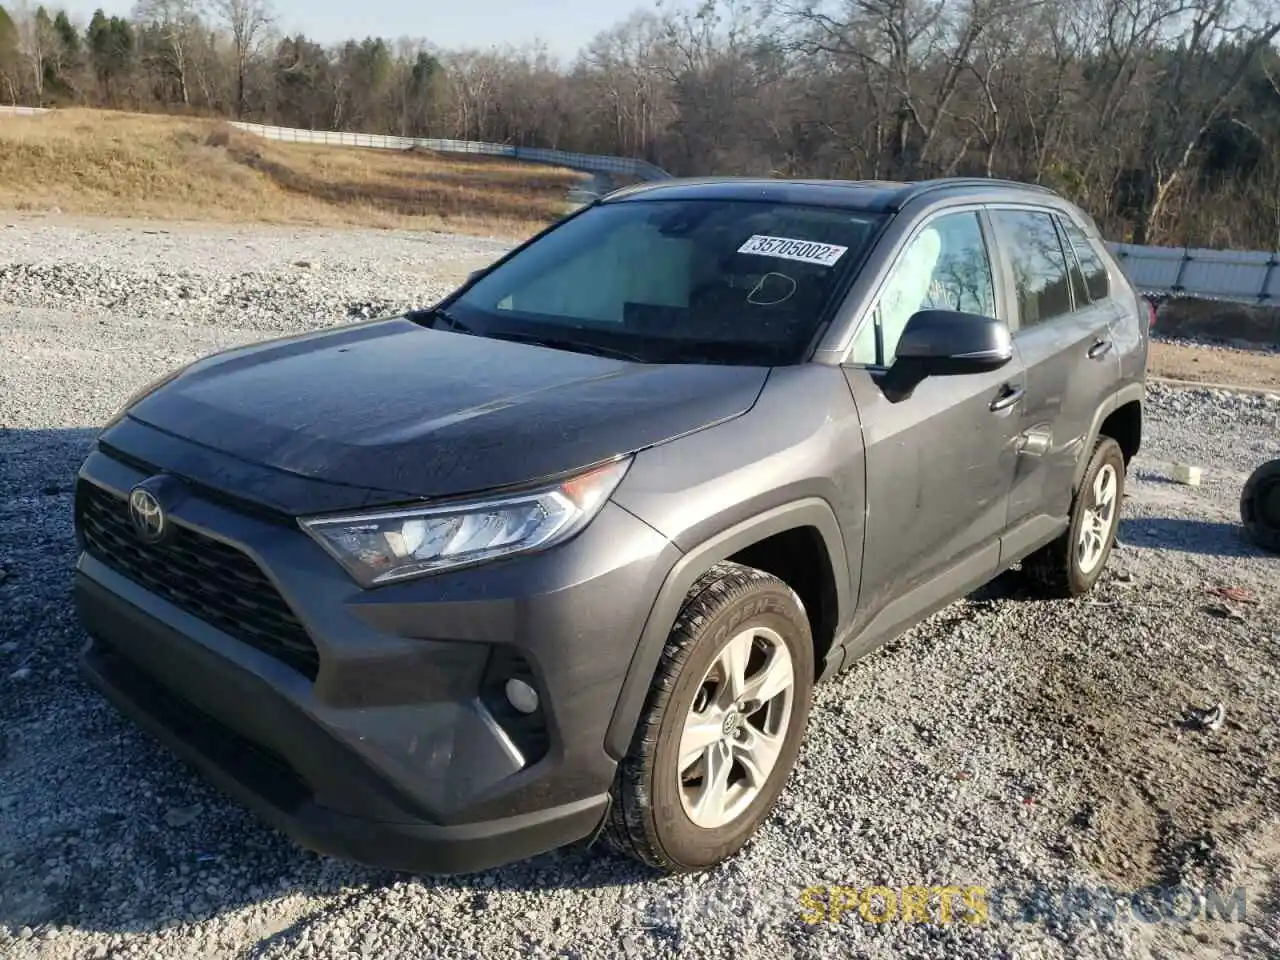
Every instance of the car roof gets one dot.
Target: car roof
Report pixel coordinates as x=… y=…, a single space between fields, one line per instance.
x=875 y=196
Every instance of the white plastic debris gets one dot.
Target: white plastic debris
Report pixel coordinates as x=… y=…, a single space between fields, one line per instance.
x=1210 y=719
x=1186 y=473
x=1217 y=716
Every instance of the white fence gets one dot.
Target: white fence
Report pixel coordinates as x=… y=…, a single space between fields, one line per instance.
x=1251 y=277
x=592 y=163
x=22 y=111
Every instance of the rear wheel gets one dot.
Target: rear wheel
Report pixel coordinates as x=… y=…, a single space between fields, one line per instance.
x=1260 y=506
x=722 y=724
x=1072 y=564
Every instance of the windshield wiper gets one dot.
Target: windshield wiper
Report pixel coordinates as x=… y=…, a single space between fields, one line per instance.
x=453 y=322
x=566 y=343
x=558 y=343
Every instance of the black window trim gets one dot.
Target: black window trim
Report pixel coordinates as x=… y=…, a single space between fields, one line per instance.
x=1072 y=258
x=1102 y=261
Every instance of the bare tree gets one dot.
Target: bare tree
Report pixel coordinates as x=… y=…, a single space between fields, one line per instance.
x=623 y=74
x=177 y=23
x=34 y=44
x=248 y=22
x=1218 y=46
x=1162 y=117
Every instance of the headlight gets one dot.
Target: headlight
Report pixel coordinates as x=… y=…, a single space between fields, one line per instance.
x=378 y=548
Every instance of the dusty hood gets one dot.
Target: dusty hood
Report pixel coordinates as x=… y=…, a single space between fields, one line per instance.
x=397 y=407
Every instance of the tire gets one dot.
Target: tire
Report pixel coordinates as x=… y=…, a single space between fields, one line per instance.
x=1066 y=567
x=1260 y=506
x=655 y=813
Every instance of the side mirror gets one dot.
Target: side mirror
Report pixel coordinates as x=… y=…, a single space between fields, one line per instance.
x=939 y=343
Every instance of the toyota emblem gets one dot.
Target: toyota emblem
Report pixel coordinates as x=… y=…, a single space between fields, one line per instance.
x=147 y=515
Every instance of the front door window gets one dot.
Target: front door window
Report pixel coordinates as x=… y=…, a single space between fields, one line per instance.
x=944 y=267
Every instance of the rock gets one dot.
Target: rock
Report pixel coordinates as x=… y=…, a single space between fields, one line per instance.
x=182 y=816
x=1224 y=612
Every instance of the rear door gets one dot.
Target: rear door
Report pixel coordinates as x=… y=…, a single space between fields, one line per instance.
x=1063 y=336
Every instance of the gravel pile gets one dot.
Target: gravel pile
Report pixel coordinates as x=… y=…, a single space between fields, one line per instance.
x=1211 y=404
x=1207 y=343
x=256 y=280
x=262 y=301
x=1010 y=743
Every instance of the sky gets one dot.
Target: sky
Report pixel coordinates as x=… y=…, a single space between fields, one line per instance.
x=565 y=25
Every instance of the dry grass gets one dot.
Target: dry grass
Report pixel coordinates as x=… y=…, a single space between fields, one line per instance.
x=99 y=163
x=1256 y=369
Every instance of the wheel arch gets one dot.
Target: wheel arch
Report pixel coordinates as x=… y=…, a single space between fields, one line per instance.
x=1119 y=413
x=811 y=513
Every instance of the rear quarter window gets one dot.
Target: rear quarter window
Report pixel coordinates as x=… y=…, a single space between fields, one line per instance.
x=1096 y=279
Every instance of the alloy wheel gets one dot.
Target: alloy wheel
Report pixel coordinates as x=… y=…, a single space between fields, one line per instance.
x=736 y=727
x=1098 y=522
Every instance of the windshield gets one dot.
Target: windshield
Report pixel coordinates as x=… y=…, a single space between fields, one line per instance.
x=670 y=281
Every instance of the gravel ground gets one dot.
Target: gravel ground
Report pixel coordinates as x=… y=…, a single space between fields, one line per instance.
x=1014 y=744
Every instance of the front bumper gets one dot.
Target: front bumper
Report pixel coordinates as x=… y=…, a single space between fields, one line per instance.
x=389 y=754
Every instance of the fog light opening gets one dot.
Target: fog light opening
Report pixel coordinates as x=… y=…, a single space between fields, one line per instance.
x=521 y=696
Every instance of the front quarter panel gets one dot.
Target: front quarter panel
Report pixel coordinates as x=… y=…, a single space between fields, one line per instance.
x=796 y=460
x=802 y=439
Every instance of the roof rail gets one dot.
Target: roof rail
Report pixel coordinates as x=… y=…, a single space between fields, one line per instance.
x=922 y=187
x=640 y=187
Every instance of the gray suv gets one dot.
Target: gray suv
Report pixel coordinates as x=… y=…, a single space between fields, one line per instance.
x=565 y=555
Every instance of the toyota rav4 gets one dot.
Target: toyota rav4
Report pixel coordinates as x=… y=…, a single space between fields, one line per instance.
x=565 y=554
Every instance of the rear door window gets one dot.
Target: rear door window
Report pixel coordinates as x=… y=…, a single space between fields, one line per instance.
x=1079 y=289
x=1030 y=241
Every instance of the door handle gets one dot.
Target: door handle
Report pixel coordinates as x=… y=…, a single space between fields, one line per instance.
x=1010 y=394
x=1099 y=349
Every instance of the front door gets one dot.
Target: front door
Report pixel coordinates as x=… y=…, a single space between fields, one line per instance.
x=940 y=464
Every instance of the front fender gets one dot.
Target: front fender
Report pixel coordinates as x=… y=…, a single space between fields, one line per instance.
x=809 y=512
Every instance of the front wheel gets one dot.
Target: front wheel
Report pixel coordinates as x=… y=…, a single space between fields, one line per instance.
x=1072 y=564
x=722 y=724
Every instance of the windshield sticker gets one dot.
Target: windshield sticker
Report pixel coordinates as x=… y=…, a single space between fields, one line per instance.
x=805 y=251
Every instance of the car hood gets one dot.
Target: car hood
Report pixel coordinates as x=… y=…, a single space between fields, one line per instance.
x=397 y=407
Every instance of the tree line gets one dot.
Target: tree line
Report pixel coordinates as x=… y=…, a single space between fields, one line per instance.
x=1161 y=117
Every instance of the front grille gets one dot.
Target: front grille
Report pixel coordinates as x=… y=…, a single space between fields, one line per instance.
x=205 y=577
